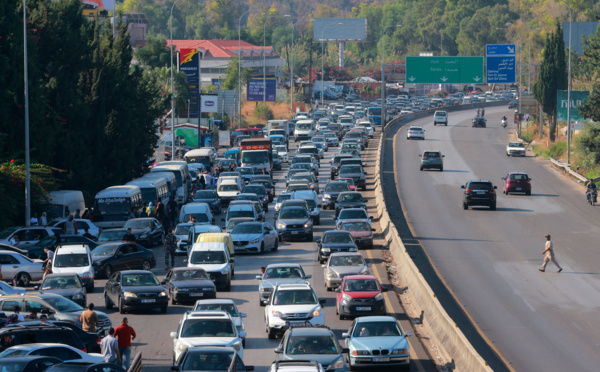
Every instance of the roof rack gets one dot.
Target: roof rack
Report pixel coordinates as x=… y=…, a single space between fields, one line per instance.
x=297 y=362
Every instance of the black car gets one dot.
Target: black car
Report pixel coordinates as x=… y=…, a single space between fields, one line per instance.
x=479 y=193
x=260 y=191
x=479 y=122
x=67 y=285
x=111 y=257
x=294 y=222
x=210 y=358
x=22 y=334
x=513 y=105
x=148 y=231
x=80 y=366
x=355 y=172
x=335 y=164
x=331 y=192
x=334 y=241
x=189 y=284
x=29 y=363
x=90 y=340
x=37 y=250
x=209 y=197
x=349 y=199
x=135 y=289
x=267 y=182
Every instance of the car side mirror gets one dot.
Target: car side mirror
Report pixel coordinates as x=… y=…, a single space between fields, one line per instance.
x=370 y=217
x=174 y=368
x=185 y=261
x=278 y=350
x=495 y=187
x=345 y=350
x=373 y=230
x=503 y=178
x=37 y=288
x=308 y=276
x=345 y=335
x=443 y=156
x=462 y=187
x=338 y=289
x=243 y=334
x=249 y=368
x=173 y=334
x=243 y=315
x=163 y=282
x=408 y=333
x=258 y=277
x=318 y=241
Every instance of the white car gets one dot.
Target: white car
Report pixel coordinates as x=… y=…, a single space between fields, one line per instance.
x=515 y=149
x=368 y=128
x=81 y=225
x=292 y=304
x=224 y=304
x=282 y=152
x=415 y=132
x=206 y=328
x=60 y=351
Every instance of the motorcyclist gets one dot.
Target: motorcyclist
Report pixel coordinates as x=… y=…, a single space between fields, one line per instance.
x=591 y=189
x=482 y=112
x=503 y=117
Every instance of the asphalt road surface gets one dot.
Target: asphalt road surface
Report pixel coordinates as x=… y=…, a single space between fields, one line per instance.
x=490 y=259
x=153 y=328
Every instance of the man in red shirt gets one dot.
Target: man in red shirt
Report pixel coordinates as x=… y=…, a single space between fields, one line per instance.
x=124 y=334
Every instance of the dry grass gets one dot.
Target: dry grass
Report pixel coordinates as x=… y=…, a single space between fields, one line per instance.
x=280 y=111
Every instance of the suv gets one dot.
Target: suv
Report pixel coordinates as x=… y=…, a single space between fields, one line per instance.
x=206 y=328
x=276 y=274
x=432 y=159
x=479 y=193
x=440 y=117
x=478 y=121
x=292 y=305
x=27 y=334
x=517 y=182
x=317 y=344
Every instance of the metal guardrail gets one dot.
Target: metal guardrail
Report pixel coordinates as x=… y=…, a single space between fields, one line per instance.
x=136 y=365
x=567 y=169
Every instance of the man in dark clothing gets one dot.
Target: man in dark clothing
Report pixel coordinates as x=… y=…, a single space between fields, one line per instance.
x=172 y=209
x=144 y=212
x=88 y=235
x=129 y=237
x=202 y=181
x=169 y=247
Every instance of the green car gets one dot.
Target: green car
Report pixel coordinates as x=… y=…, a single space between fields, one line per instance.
x=432 y=159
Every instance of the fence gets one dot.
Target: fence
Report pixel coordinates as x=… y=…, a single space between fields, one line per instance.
x=136 y=365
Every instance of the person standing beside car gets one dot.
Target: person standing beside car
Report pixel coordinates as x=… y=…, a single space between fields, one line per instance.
x=70 y=226
x=88 y=235
x=169 y=247
x=125 y=334
x=89 y=319
x=110 y=348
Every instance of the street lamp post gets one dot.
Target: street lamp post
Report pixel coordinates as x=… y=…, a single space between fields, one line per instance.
x=323 y=61
x=383 y=76
x=292 y=68
x=240 y=54
x=27 y=160
x=569 y=93
x=172 y=87
x=264 y=62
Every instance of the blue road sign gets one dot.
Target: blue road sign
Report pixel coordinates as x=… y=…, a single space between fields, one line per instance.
x=501 y=69
x=501 y=49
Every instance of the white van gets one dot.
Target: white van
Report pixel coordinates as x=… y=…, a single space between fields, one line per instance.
x=112 y=205
x=77 y=259
x=199 y=210
x=228 y=190
x=214 y=258
x=196 y=231
x=304 y=130
x=152 y=189
x=237 y=179
x=167 y=176
x=205 y=156
x=182 y=175
x=64 y=203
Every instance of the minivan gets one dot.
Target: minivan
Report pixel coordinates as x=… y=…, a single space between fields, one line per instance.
x=201 y=211
x=75 y=259
x=214 y=258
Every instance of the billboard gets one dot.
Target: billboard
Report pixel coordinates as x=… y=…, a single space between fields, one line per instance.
x=188 y=64
x=578 y=98
x=330 y=29
x=585 y=29
x=210 y=103
x=254 y=90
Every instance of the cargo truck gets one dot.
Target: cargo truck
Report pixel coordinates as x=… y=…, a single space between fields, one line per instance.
x=257 y=153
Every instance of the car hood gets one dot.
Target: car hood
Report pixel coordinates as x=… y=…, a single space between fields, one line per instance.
x=207 y=201
x=339 y=245
x=351 y=204
x=245 y=237
x=362 y=294
x=193 y=283
x=275 y=282
x=296 y=221
x=98 y=260
x=360 y=234
x=348 y=270
x=370 y=343
x=324 y=359
x=63 y=292
x=295 y=309
x=143 y=289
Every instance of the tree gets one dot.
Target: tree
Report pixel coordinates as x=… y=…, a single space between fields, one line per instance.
x=591 y=108
x=155 y=53
x=231 y=75
x=552 y=76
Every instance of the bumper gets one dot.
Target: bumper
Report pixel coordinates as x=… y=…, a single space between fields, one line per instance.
x=329 y=203
x=519 y=189
x=383 y=361
x=136 y=303
x=295 y=233
x=181 y=249
x=220 y=279
x=333 y=282
x=431 y=166
x=480 y=202
x=364 y=242
x=246 y=248
x=516 y=153
x=187 y=296
x=87 y=282
x=355 y=308
x=281 y=325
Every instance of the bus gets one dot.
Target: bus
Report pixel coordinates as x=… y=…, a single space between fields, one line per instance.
x=374 y=115
x=112 y=205
x=205 y=156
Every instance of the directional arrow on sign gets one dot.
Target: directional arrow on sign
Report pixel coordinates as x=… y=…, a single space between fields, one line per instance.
x=477 y=78
x=412 y=78
x=443 y=78
x=511 y=50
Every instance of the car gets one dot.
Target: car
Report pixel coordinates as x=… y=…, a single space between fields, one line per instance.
x=335 y=164
x=297 y=185
x=292 y=304
x=312 y=200
x=359 y=295
x=110 y=236
x=317 y=344
x=349 y=181
x=517 y=182
x=260 y=191
x=276 y=274
x=27 y=235
x=306 y=159
x=294 y=222
x=334 y=241
x=321 y=140
x=294 y=203
x=80 y=366
x=515 y=149
x=81 y=224
x=313 y=182
x=60 y=351
x=350 y=146
x=210 y=358
x=283 y=153
x=8 y=289
x=241 y=210
x=368 y=127
x=415 y=132
x=181 y=232
x=184 y=284
x=214 y=256
x=209 y=197
x=352 y=214
x=479 y=122
x=135 y=290
x=254 y=237
x=349 y=199
x=361 y=232
x=148 y=231
x=224 y=304
x=332 y=139
x=513 y=104
x=20 y=268
x=67 y=285
x=28 y=363
x=331 y=192
x=432 y=159
x=56 y=307
x=355 y=172
x=377 y=342
x=440 y=117
x=90 y=340
x=479 y=193
x=296 y=366
x=252 y=199
x=233 y=222
x=111 y=257
x=280 y=199
x=206 y=328
x=342 y=264
x=37 y=250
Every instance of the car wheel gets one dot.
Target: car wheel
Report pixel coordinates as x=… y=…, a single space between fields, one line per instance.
x=228 y=286
x=146 y=265
x=276 y=246
x=441 y=169
x=108 y=270
x=262 y=248
x=421 y=168
x=121 y=306
x=309 y=238
x=271 y=333
x=528 y=193
x=163 y=309
x=24 y=278
x=280 y=238
x=107 y=303
x=465 y=206
x=90 y=288
x=506 y=192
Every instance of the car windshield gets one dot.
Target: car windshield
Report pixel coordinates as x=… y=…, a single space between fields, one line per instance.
x=353 y=260
x=280 y=149
x=208 y=361
x=301 y=159
x=337 y=237
x=245 y=170
x=182 y=229
x=350 y=198
x=265 y=184
x=355 y=226
x=7 y=232
x=330 y=135
x=377 y=329
x=61 y=282
x=255 y=189
x=62 y=304
x=293 y=214
x=109 y=235
x=337 y=187
x=230 y=308
x=283 y=197
x=138 y=224
x=141 y=279
x=431 y=154
x=208 y=258
x=247 y=228
x=241 y=213
x=361 y=285
x=304 y=126
x=231 y=187
x=348 y=214
x=301 y=345
x=480 y=186
x=12 y=366
x=516 y=144
x=105 y=250
x=205 y=194
x=200 y=217
x=283 y=273
x=250 y=197
x=233 y=223
x=518 y=177
x=71 y=260
x=318 y=139
x=208 y=328
x=350 y=169
x=295 y=297
x=191 y=274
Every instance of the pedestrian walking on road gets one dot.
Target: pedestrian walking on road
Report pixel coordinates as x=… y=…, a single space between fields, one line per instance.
x=125 y=334
x=89 y=319
x=110 y=348
x=549 y=255
x=169 y=248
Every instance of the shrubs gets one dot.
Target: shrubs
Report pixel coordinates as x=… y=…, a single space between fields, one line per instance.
x=263 y=112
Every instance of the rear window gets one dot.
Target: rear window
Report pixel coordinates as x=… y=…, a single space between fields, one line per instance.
x=480 y=186
x=431 y=155
x=519 y=177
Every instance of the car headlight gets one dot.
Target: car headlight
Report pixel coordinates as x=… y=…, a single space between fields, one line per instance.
x=346 y=297
x=237 y=346
x=326 y=249
x=337 y=365
x=144 y=236
x=360 y=352
x=327 y=196
x=280 y=225
x=333 y=274
x=379 y=296
x=353 y=249
x=254 y=241
x=308 y=224
x=162 y=294
x=399 y=351
x=182 y=347
x=317 y=312
x=276 y=313
x=78 y=296
x=225 y=271
x=130 y=294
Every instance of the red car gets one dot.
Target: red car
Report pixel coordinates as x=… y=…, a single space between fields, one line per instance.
x=517 y=182
x=349 y=181
x=361 y=232
x=359 y=295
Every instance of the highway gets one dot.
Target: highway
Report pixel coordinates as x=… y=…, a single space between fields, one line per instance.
x=153 y=328
x=490 y=259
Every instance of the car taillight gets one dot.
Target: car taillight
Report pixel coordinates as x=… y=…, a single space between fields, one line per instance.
x=492 y=191
x=99 y=340
x=468 y=191
x=84 y=350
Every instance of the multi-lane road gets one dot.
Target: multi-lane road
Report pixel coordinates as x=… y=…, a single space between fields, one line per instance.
x=490 y=259
x=153 y=328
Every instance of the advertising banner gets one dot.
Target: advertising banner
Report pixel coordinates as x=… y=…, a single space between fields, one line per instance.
x=254 y=90
x=188 y=64
x=578 y=98
x=210 y=103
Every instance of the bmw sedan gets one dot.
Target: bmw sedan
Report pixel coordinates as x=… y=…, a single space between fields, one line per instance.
x=254 y=237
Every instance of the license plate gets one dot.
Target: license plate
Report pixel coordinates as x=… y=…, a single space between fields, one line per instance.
x=295 y=232
x=297 y=323
x=480 y=192
x=518 y=189
x=197 y=294
x=381 y=360
x=363 y=308
x=148 y=301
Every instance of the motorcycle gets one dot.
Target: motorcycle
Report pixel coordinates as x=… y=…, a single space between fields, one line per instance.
x=592 y=197
x=503 y=123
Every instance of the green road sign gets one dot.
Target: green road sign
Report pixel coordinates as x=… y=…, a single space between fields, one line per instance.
x=578 y=98
x=444 y=70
